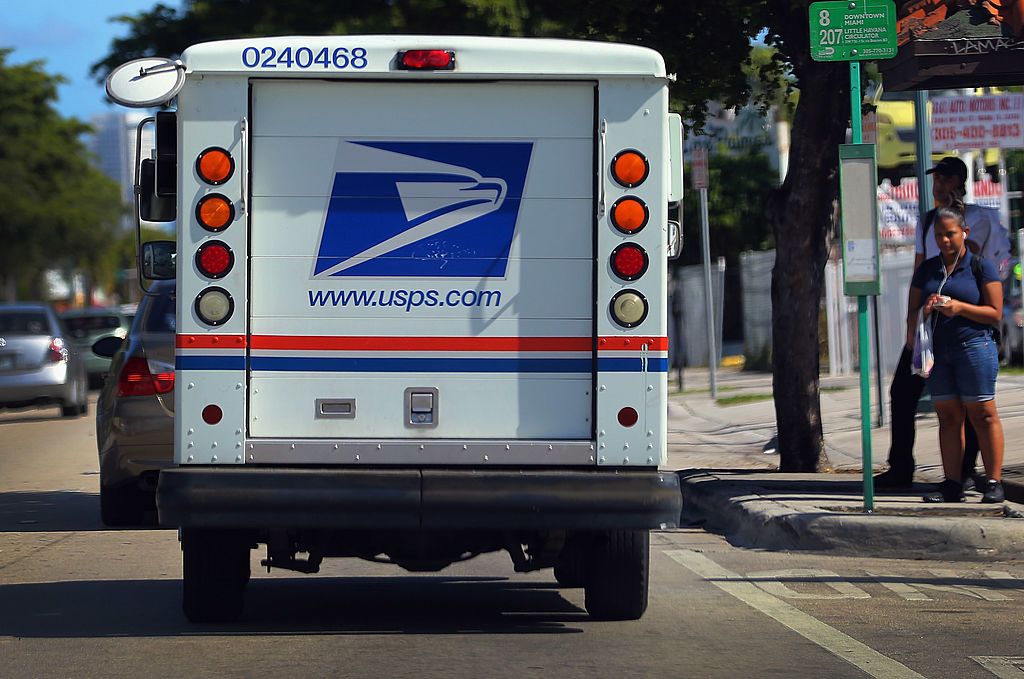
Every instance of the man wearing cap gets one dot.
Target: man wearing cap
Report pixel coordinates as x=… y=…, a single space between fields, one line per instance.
x=988 y=238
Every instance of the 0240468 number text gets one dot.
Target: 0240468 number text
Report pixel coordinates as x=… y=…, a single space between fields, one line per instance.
x=304 y=57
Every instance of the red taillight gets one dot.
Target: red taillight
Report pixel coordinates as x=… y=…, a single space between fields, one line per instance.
x=137 y=380
x=628 y=417
x=426 y=60
x=214 y=259
x=629 y=261
x=212 y=414
x=56 y=352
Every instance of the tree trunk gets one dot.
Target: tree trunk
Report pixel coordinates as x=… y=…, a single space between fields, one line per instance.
x=801 y=216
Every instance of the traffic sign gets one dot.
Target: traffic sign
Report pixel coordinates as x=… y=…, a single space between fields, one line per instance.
x=853 y=30
x=699 y=168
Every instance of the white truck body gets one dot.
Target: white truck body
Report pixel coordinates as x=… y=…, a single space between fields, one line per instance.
x=422 y=286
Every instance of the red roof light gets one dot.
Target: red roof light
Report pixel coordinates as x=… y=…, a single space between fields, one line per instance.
x=426 y=60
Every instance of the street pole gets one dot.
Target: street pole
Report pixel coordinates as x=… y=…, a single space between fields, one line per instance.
x=924 y=181
x=709 y=307
x=863 y=343
x=879 y=374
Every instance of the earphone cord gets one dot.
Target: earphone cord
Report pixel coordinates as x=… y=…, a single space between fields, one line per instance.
x=945 y=278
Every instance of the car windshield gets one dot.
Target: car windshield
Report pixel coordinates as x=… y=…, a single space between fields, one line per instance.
x=23 y=323
x=83 y=325
x=161 y=314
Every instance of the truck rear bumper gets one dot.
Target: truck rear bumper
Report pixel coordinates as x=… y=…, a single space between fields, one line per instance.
x=418 y=499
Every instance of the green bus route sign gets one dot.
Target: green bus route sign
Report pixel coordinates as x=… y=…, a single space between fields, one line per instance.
x=853 y=30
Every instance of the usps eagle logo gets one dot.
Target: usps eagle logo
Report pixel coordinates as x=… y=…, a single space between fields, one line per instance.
x=422 y=209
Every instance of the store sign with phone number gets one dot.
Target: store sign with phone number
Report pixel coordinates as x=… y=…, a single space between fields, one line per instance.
x=968 y=122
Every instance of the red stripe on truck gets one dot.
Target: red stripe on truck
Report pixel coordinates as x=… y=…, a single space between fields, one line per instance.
x=333 y=343
x=209 y=341
x=348 y=343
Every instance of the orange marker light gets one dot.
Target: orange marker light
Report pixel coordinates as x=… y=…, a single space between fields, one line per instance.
x=629 y=214
x=215 y=212
x=630 y=168
x=215 y=165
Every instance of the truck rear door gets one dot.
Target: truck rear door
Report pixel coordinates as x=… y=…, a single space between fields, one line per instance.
x=421 y=260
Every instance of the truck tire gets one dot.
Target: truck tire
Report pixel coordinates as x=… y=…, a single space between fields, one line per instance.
x=121 y=506
x=215 y=571
x=616 y=573
x=569 y=569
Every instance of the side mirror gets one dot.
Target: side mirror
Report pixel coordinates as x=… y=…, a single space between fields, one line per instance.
x=158 y=260
x=152 y=207
x=107 y=346
x=675 y=240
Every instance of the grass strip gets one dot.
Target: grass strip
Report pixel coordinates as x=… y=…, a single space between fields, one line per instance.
x=740 y=399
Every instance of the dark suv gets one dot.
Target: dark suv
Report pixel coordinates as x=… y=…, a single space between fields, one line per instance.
x=135 y=411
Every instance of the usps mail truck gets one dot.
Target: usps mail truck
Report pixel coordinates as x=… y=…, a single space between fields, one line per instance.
x=421 y=313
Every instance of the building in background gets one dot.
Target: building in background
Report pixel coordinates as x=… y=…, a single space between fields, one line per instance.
x=113 y=143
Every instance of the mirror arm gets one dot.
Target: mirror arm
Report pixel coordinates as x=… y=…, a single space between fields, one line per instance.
x=138 y=201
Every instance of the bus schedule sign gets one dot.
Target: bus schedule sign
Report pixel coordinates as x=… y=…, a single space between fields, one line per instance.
x=855 y=30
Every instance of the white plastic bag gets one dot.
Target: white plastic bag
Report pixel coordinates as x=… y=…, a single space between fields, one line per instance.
x=923 y=358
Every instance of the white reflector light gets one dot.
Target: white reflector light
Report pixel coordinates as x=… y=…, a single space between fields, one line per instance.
x=214 y=306
x=629 y=308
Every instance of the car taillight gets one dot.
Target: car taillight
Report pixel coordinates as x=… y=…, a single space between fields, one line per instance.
x=57 y=352
x=137 y=380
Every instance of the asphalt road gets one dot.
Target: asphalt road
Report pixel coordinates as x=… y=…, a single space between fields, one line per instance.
x=79 y=600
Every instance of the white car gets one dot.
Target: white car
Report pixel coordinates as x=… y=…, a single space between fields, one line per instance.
x=38 y=363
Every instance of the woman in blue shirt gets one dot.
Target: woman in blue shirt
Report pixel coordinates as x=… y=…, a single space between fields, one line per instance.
x=962 y=298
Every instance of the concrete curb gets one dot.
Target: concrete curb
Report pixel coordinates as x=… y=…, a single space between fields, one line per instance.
x=746 y=513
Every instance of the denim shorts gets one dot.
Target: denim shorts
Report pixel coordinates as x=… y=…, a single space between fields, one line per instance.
x=965 y=371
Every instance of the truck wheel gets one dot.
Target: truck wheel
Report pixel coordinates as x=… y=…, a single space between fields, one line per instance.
x=215 y=570
x=617 y=568
x=120 y=507
x=569 y=570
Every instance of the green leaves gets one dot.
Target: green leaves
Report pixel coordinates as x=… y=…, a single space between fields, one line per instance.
x=58 y=210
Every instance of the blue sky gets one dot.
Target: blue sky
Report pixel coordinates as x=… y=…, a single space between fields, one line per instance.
x=70 y=36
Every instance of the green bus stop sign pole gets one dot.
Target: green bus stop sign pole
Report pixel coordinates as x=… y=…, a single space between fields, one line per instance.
x=863 y=341
x=854 y=30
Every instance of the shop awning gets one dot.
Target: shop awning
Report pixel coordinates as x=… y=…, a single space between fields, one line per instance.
x=947 y=44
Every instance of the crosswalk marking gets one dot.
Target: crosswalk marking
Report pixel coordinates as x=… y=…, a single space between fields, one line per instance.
x=829 y=638
x=1004 y=667
x=905 y=591
x=772 y=582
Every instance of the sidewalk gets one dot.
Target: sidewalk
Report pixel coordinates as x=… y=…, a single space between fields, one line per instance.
x=720 y=452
